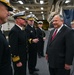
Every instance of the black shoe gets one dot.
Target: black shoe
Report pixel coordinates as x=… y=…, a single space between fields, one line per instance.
x=36 y=69
x=34 y=74
x=39 y=56
x=31 y=72
x=43 y=56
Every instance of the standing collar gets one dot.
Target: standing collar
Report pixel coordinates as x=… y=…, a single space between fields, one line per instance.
x=19 y=26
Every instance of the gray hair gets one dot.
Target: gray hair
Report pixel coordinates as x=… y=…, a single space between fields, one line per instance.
x=61 y=16
x=72 y=22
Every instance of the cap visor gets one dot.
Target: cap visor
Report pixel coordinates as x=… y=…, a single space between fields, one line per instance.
x=9 y=8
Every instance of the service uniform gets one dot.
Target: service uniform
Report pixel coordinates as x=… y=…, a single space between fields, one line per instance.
x=18 y=46
x=32 y=47
x=40 y=44
x=5 y=56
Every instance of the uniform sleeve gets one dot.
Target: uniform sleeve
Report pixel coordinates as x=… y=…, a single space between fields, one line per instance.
x=13 y=41
x=39 y=34
x=69 y=47
x=28 y=35
x=1 y=50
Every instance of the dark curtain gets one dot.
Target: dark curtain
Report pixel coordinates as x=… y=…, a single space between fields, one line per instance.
x=68 y=16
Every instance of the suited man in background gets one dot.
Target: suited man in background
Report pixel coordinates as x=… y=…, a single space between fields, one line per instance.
x=72 y=24
x=5 y=56
x=41 y=37
x=18 y=44
x=72 y=68
x=60 y=49
x=32 y=45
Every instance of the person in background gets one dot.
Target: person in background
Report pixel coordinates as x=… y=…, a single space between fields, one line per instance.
x=41 y=37
x=32 y=45
x=18 y=44
x=72 y=67
x=72 y=24
x=60 y=47
x=5 y=56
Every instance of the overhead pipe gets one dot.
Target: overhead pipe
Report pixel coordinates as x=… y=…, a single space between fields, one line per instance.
x=15 y=1
x=56 y=11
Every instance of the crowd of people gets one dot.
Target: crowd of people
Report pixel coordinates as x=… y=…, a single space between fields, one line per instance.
x=26 y=41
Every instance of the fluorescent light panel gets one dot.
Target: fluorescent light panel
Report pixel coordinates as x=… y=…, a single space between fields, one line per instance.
x=20 y=2
x=27 y=8
x=41 y=12
x=67 y=1
x=41 y=2
x=30 y=12
x=42 y=8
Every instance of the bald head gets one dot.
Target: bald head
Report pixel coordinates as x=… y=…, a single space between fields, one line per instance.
x=57 y=21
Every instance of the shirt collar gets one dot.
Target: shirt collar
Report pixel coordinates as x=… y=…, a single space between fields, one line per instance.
x=32 y=26
x=41 y=28
x=59 y=28
x=19 y=26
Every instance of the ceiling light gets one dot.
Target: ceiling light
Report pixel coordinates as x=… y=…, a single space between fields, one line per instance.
x=27 y=8
x=42 y=8
x=67 y=1
x=41 y=2
x=30 y=12
x=20 y=2
x=41 y=12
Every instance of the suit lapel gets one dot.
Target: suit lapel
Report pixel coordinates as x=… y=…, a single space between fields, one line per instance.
x=17 y=27
x=60 y=31
x=50 y=36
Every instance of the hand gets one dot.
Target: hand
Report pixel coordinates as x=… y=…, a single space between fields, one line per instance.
x=19 y=64
x=46 y=56
x=44 y=38
x=35 y=40
x=67 y=67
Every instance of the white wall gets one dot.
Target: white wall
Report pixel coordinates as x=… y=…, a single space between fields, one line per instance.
x=7 y=26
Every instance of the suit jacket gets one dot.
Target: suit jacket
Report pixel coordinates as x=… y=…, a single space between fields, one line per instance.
x=18 y=44
x=60 y=50
x=5 y=56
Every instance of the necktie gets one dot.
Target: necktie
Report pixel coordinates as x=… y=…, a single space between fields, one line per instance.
x=54 y=34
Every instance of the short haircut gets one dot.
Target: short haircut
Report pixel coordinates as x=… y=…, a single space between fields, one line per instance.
x=61 y=16
x=72 y=22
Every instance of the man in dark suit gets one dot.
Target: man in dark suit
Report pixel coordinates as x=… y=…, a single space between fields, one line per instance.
x=32 y=46
x=60 y=48
x=41 y=37
x=72 y=24
x=18 y=44
x=5 y=56
x=72 y=67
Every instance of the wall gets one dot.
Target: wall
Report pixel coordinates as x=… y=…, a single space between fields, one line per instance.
x=7 y=26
